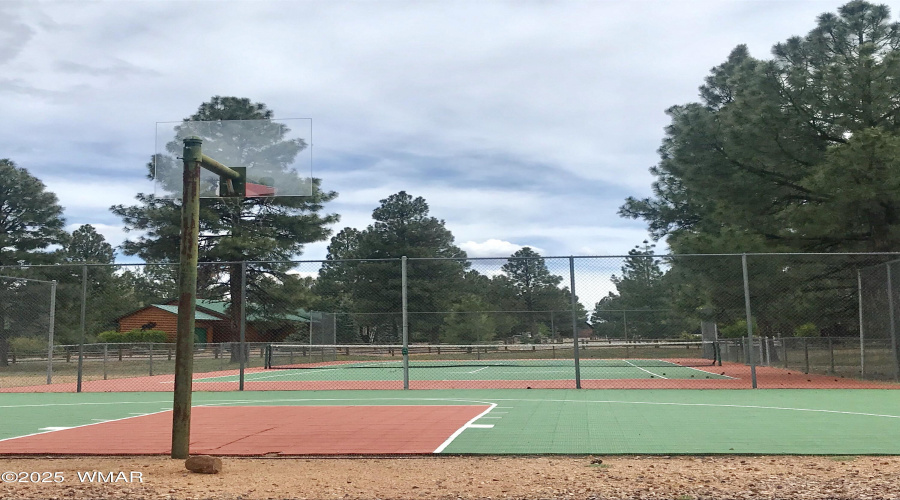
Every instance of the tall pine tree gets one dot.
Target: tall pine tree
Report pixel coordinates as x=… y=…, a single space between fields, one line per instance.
x=234 y=230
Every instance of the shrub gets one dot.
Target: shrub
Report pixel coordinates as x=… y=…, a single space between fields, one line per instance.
x=133 y=336
x=689 y=336
x=735 y=330
x=28 y=344
x=806 y=330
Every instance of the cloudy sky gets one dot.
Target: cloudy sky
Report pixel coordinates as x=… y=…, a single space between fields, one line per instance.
x=521 y=123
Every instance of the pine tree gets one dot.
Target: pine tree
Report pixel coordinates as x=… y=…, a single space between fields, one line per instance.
x=264 y=231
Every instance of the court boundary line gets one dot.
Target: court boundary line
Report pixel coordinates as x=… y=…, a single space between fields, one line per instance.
x=465 y=426
x=713 y=405
x=84 y=425
x=648 y=371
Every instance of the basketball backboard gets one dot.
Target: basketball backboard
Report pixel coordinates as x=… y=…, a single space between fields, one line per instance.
x=276 y=154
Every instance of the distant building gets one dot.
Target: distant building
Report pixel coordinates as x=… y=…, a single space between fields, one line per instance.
x=212 y=323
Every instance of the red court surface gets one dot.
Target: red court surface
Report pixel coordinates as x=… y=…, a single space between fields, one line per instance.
x=263 y=430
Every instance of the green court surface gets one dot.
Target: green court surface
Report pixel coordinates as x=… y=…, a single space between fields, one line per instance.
x=481 y=370
x=834 y=421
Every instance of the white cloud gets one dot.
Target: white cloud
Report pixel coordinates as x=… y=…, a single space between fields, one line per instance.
x=493 y=248
x=518 y=122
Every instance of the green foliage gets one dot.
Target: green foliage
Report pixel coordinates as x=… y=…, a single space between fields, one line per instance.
x=31 y=219
x=133 y=336
x=27 y=344
x=797 y=153
x=401 y=226
x=806 y=330
x=642 y=305
x=528 y=286
x=736 y=330
x=468 y=323
x=259 y=230
x=88 y=246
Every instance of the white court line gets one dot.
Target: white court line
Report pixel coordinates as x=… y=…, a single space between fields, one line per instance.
x=648 y=371
x=478 y=370
x=470 y=423
x=498 y=401
x=674 y=365
x=250 y=378
x=51 y=429
x=541 y=371
x=712 y=405
x=718 y=375
x=79 y=426
x=85 y=404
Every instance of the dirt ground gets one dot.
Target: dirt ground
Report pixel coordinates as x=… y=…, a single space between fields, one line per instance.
x=597 y=477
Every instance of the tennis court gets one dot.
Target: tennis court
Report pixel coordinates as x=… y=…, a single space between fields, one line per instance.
x=518 y=421
x=290 y=367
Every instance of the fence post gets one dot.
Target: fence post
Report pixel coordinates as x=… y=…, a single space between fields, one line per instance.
x=151 y=359
x=50 y=332
x=243 y=326
x=749 y=349
x=806 y=355
x=893 y=330
x=574 y=321
x=105 y=356
x=784 y=350
x=404 y=320
x=862 y=337
x=831 y=353
x=83 y=321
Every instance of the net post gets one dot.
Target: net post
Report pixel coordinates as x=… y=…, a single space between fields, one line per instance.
x=243 y=326
x=50 y=332
x=574 y=320
x=749 y=349
x=187 y=298
x=405 y=349
x=862 y=336
x=83 y=321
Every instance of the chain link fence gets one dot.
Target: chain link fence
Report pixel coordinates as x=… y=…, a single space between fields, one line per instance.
x=635 y=321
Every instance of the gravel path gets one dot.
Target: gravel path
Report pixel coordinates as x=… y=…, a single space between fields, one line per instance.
x=675 y=478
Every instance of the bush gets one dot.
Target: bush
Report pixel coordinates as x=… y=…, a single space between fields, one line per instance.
x=133 y=336
x=690 y=336
x=806 y=330
x=735 y=330
x=28 y=344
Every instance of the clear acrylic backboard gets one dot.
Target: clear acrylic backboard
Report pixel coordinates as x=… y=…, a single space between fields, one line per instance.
x=276 y=153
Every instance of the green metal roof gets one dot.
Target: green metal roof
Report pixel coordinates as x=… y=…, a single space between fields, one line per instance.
x=220 y=308
x=197 y=315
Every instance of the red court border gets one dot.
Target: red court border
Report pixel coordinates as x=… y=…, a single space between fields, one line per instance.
x=263 y=430
x=740 y=378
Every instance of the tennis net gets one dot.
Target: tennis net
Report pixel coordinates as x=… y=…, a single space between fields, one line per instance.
x=641 y=355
